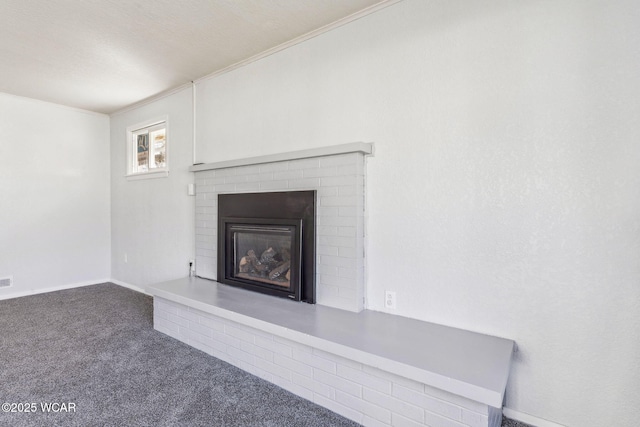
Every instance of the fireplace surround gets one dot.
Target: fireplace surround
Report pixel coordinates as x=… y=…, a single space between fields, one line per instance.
x=266 y=243
x=336 y=174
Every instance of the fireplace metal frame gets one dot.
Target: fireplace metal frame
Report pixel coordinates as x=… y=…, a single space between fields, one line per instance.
x=263 y=225
x=270 y=208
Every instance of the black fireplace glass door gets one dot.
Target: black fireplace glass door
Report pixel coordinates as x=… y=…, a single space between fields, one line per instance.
x=263 y=254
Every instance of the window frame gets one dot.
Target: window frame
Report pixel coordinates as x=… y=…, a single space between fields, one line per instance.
x=131 y=147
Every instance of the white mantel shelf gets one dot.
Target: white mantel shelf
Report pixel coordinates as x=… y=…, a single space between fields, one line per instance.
x=461 y=362
x=352 y=147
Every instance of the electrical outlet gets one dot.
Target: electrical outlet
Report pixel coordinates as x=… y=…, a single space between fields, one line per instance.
x=192 y=267
x=126 y=258
x=390 y=300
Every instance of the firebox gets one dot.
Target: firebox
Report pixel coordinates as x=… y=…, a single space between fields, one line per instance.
x=266 y=243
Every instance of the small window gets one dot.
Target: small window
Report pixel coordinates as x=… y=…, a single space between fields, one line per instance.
x=147 y=147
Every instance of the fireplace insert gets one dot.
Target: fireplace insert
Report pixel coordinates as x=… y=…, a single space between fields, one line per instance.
x=266 y=243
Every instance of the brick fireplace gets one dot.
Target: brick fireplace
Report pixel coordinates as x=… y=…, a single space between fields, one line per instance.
x=337 y=174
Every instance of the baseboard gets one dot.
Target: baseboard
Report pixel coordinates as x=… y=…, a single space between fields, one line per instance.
x=53 y=289
x=528 y=419
x=130 y=286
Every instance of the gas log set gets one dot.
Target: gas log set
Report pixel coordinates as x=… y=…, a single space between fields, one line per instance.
x=273 y=266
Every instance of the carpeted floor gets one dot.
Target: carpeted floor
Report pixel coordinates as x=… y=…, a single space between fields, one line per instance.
x=94 y=349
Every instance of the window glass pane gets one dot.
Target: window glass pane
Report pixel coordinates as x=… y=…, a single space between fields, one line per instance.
x=142 y=151
x=158 y=149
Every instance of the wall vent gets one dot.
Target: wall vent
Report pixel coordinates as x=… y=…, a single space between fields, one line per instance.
x=5 y=282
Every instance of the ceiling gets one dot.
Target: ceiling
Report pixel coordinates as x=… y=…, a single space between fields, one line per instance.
x=104 y=55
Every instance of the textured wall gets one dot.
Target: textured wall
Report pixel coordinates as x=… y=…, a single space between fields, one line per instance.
x=152 y=220
x=503 y=195
x=54 y=196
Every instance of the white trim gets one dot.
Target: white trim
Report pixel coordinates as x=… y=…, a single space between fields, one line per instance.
x=52 y=289
x=129 y=286
x=528 y=419
x=147 y=175
x=339 y=23
x=352 y=147
x=131 y=156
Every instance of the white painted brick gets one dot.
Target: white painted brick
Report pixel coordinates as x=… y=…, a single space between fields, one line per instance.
x=225 y=188
x=348 y=252
x=346 y=412
x=274 y=185
x=327 y=191
x=275 y=347
x=347 y=242
x=180 y=321
x=204 y=231
x=305 y=183
x=255 y=371
x=202 y=347
x=350 y=169
x=436 y=420
x=321 y=172
x=201 y=329
x=327 y=269
x=367 y=421
x=227 y=339
x=258 y=352
x=326 y=211
x=316 y=387
x=427 y=402
x=167 y=306
x=326 y=231
x=340 y=221
x=293 y=388
x=338 y=261
x=300 y=348
x=367 y=380
x=234 y=179
x=394 y=405
x=237 y=354
x=463 y=402
x=374 y=411
x=339 y=201
x=293 y=365
x=273 y=369
x=327 y=250
x=248 y=186
x=185 y=313
x=400 y=421
x=237 y=332
x=212 y=324
x=288 y=174
x=340 y=282
x=473 y=419
x=337 y=382
x=166 y=327
x=314 y=361
x=339 y=181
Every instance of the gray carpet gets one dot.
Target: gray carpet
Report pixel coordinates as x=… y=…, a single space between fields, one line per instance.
x=96 y=347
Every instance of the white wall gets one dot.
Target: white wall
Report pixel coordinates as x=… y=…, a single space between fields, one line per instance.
x=504 y=193
x=152 y=220
x=54 y=196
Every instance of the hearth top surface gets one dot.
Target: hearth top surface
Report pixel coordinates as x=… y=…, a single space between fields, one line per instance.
x=466 y=363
